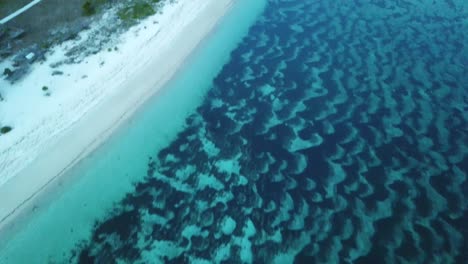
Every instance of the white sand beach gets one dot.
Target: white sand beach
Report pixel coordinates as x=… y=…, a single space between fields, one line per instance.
x=91 y=99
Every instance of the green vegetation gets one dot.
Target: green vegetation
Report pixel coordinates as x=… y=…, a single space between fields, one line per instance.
x=5 y=129
x=46 y=44
x=89 y=8
x=45 y=88
x=129 y=12
x=137 y=11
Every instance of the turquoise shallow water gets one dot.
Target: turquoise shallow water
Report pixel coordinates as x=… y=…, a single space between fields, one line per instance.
x=336 y=132
x=106 y=176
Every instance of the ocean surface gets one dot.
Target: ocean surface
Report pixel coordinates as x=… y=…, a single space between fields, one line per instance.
x=316 y=132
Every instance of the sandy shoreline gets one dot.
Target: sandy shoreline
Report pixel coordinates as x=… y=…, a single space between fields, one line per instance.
x=59 y=136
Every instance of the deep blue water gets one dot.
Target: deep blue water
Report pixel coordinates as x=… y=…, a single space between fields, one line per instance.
x=337 y=132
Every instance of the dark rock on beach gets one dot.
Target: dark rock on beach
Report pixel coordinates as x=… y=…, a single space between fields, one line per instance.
x=54 y=73
x=7 y=72
x=18 y=73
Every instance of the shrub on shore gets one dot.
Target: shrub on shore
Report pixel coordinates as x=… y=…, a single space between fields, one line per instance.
x=5 y=129
x=88 y=8
x=136 y=11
